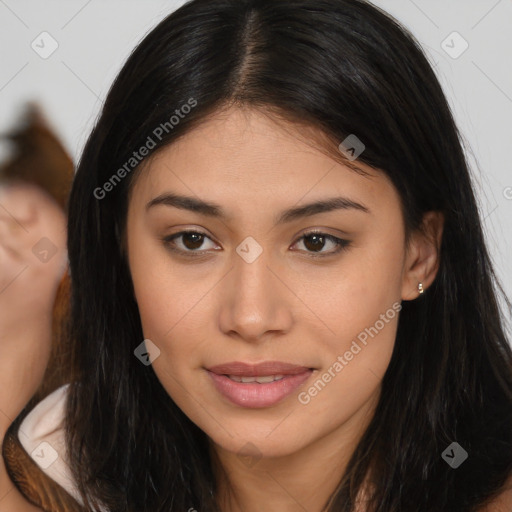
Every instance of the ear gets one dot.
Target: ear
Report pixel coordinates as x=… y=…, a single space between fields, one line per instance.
x=422 y=255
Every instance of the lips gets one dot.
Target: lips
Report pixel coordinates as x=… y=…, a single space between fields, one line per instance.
x=259 y=385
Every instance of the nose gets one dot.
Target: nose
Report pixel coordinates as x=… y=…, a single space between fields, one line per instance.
x=255 y=302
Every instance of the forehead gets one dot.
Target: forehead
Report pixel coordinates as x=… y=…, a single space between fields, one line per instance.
x=247 y=160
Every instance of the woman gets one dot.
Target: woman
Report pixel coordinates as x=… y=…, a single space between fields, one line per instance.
x=281 y=295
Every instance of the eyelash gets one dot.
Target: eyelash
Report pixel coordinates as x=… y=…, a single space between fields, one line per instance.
x=169 y=242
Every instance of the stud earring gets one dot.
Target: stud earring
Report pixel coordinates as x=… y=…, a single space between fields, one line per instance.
x=420 y=288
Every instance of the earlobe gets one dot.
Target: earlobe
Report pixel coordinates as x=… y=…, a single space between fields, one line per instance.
x=423 y=256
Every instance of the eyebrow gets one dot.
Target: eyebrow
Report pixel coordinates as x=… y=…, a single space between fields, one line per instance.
x=214 y=210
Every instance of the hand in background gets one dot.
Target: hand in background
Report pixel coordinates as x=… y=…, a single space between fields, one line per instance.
x=33 y=257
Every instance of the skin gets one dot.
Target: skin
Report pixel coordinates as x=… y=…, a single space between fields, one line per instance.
x=284 y=306
x=27 y=214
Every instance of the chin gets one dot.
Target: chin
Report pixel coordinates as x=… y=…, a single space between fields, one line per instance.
x=257 y=445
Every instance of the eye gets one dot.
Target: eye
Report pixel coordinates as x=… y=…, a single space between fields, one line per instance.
x=191 y=241
x=315 y=241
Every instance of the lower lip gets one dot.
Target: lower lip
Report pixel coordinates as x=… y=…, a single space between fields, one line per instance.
x=254 y=394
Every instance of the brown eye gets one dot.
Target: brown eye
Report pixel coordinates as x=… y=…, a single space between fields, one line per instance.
x=315 y=243
x=190 y=242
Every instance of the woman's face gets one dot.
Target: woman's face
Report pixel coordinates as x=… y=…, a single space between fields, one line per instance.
x=250 y=288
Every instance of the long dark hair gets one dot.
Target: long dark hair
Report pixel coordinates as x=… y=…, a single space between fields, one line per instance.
x=344 y=67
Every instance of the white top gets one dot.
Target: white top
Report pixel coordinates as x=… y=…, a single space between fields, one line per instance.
x=41 y=434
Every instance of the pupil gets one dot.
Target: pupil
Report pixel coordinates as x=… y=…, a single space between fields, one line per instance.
x=195 y=244
x=315 y=245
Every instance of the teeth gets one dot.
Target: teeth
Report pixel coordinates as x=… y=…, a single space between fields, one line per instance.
x=261 y=380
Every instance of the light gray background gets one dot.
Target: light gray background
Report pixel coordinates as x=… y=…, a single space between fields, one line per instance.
x=95 y=37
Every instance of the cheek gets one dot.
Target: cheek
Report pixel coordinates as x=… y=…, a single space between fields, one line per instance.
x=361 y=309
x=164 y=304
x=169 y=306
x=156 y=292
x=354 y=360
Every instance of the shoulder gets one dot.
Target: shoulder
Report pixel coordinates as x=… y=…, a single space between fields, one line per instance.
x=41 y=434
x=35 y=454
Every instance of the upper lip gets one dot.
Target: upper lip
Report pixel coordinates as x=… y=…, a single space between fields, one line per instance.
x=254 y=370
